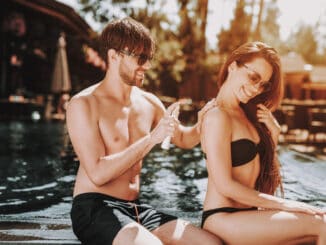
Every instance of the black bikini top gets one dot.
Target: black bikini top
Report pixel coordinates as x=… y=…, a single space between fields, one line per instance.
x=243 y=151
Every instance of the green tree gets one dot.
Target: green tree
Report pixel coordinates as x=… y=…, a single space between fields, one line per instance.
x=181 y=51
x=169 y=61
x=103 y=11
x=201 y=12
x=270 y=29
x=257 y=32
x=193 y=15
x=239 y=31
x=321 y=37
x=303 y=42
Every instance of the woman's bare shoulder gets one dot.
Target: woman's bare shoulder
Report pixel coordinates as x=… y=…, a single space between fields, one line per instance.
x=218 y=114
x=216 y=127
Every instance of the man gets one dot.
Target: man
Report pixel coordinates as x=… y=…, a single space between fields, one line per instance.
x=112 y=126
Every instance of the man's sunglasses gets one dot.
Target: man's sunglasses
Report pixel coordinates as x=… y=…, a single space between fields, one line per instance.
x=142 y=58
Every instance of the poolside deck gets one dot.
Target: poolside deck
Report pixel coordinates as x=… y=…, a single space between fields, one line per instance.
x=36 y=231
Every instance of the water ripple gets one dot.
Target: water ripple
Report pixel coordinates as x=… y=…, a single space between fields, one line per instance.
x=36 y=181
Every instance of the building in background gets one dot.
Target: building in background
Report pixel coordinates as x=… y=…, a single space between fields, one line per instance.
x=30 y=31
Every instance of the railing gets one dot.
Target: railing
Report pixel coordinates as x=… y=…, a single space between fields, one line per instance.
x=303 y=122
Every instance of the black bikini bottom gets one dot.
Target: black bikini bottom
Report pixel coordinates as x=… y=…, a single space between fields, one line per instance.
x=210 y=212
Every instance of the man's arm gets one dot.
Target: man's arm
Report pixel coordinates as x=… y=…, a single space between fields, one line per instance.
x=88 y=144
x=184 y=136
x=188 y=137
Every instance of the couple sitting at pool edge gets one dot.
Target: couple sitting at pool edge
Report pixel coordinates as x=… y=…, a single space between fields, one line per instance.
x=114 y=124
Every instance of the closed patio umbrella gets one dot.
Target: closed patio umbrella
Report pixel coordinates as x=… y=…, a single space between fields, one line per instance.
x=61 y=78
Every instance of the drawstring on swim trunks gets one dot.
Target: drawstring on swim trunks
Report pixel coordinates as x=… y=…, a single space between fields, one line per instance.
x=136 y=210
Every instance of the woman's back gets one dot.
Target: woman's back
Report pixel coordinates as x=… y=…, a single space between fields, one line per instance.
x=242 y=142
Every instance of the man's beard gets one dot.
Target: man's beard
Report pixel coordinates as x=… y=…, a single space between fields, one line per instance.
x=130 y=80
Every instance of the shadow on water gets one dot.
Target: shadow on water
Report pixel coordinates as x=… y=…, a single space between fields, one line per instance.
x=38 y=170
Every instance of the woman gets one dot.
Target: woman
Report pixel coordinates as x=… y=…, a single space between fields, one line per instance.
x=239 y=137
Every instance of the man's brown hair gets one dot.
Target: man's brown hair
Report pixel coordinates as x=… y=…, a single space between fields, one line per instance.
x=127 y=33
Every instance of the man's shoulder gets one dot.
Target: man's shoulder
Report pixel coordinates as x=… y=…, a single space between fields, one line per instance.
x=150 y=97
x=87 y=92
x=84 y=97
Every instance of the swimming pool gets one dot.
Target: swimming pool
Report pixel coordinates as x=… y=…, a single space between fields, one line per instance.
x=38 y=169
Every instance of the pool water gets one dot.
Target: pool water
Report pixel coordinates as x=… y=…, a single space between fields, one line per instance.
x=37 y=170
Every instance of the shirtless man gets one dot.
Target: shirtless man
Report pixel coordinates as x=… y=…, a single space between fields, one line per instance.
x=112 y=126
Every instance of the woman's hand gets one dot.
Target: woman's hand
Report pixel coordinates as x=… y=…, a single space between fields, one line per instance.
x=265 y=116
x=294 y=206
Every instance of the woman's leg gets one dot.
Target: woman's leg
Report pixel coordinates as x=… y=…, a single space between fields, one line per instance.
x=267 y=227
x=182 y=232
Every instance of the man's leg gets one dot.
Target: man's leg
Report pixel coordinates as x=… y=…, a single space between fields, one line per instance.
x=135 y=234
x=182 y=232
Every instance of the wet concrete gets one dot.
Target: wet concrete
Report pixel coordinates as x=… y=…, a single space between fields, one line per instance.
x=38 y=231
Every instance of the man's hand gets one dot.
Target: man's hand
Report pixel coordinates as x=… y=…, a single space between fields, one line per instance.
x=167 y=125
x=209 y=105
x=175 y=114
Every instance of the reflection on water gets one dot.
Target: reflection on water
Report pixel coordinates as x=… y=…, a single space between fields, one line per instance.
x=305 y=178
x=32 y=177
x=35 y=180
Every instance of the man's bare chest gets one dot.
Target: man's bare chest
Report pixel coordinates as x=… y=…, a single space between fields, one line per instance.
x=125 y=126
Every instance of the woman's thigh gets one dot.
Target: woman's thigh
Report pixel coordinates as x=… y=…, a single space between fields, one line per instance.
x=263 y=227
x=183 y=232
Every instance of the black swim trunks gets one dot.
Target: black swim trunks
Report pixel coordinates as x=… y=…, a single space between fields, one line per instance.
x=97 y=218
